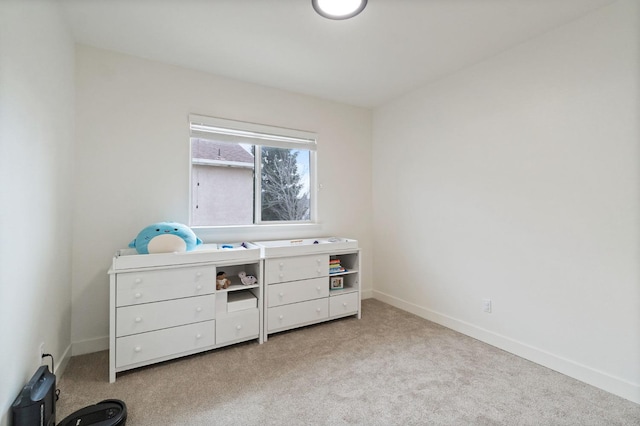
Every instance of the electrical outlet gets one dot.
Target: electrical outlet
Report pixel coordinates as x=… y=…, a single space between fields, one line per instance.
x=486 y=305
x=40 y=352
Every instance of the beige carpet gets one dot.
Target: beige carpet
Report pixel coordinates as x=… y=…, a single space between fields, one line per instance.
x=389 y=368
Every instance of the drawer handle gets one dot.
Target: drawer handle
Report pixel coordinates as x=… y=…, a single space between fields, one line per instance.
x=198 y=287
x=281 y=275
x=138 y=319
x=137 y=349
x=198 y=336
x=281 y=265
x=318 y=260
x=281 y=316
x=318 y=310
x=319 y=271
x=344 y=304
x=138 y=295
x=319 y=289
x=198 y=309
x=198 y=274
x=281 y=294
x=238 y=327
x=138 y=280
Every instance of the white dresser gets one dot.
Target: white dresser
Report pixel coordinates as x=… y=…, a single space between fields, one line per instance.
x=298 y=282
x=164 y=306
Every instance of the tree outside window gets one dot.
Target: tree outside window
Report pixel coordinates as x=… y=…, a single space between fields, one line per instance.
x=283 y=190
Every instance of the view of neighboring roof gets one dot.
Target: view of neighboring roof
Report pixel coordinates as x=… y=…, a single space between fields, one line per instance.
x=210 y=150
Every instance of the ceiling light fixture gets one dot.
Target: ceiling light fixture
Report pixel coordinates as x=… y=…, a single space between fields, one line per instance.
x=339 y=9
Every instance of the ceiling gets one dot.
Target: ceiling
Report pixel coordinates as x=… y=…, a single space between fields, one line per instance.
x=391 y=48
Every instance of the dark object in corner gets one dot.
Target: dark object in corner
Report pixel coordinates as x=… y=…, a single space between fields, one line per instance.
x=110 y=412
x=36 y=403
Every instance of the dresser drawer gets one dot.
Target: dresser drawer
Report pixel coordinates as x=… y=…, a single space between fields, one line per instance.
x=152 y=286
x=154 y=316
x=296 y=268
x=163 y=343
x=297 y=291
x=344 y=304
x=287 y=316
x=237 y=326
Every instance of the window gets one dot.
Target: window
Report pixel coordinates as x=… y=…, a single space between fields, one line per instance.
x=246 y=173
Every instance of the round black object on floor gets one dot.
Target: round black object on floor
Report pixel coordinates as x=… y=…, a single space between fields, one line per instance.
x=110 y=412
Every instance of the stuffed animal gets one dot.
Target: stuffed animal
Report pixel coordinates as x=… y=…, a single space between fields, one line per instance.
x=247 y=279
x=165 y=237
x=222 y=281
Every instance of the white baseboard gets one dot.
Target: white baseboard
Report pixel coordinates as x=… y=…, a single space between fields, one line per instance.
x=90 y=345
x=586 y=374
x=62 y=363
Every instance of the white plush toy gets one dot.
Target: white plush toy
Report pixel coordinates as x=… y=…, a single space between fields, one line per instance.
x=247 y=279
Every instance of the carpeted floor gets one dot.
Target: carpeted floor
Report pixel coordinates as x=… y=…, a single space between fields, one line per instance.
x=389 y=368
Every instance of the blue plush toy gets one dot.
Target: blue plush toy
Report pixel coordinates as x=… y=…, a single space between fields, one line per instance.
x=165 y=237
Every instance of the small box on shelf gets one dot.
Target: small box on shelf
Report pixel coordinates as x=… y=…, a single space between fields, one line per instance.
x=336 y=283
x=241 y=300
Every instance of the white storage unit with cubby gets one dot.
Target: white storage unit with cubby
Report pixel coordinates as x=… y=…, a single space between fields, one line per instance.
x=164 y=306
x=298 y=282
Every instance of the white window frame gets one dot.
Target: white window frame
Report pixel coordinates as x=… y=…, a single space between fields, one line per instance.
x=225 y=130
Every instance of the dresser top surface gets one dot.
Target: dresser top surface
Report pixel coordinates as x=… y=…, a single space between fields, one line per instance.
x=126 y=259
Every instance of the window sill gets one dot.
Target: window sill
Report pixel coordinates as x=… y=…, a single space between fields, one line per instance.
x=241 y=233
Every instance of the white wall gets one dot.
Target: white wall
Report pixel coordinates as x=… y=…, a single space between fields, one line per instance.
x=517 y=180
x=133 y=164
x=36 y=135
